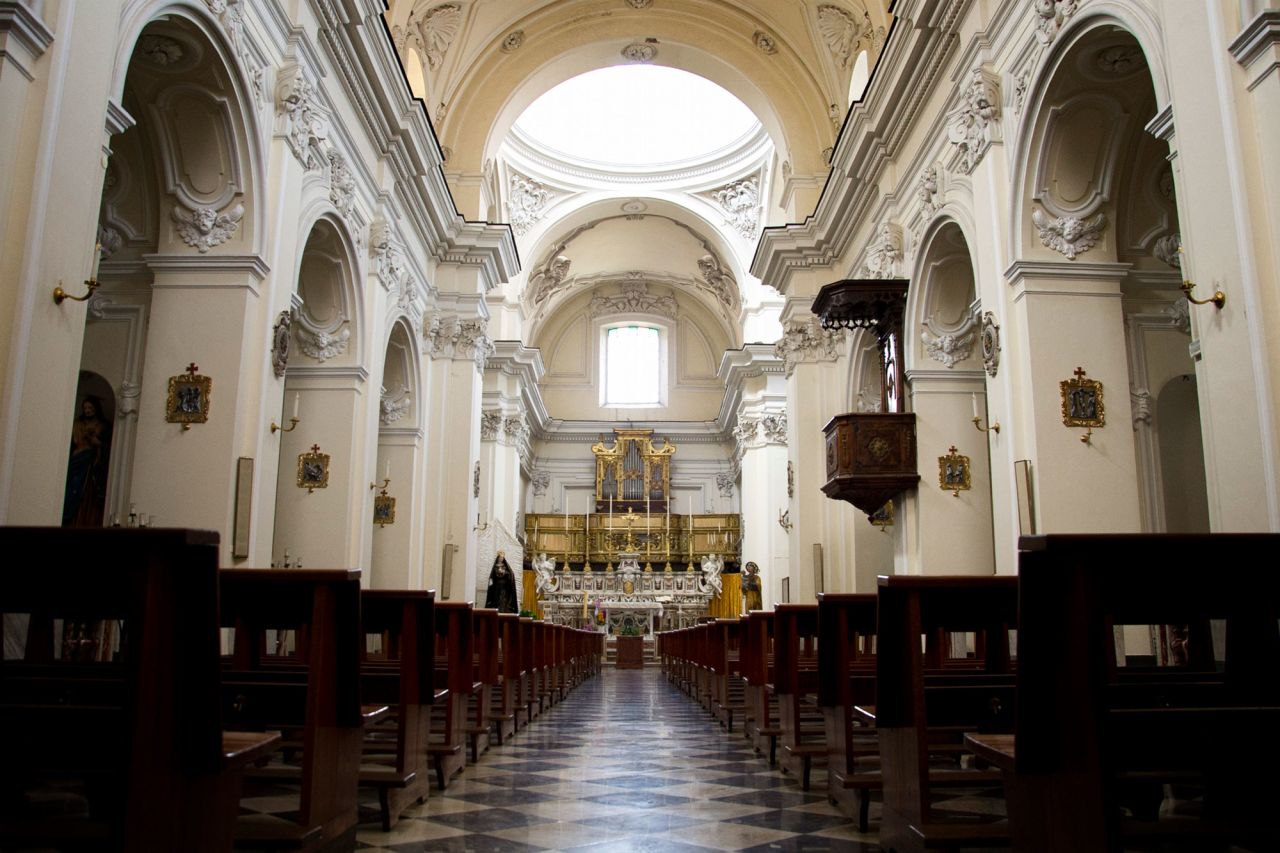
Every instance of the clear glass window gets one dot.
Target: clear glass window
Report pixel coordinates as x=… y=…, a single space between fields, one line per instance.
x=633 y=366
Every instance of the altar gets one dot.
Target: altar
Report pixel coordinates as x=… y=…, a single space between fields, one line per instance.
x=627 y=600
x=634 y=566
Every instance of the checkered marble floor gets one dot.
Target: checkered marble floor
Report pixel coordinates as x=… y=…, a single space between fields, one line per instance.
x=625 y=763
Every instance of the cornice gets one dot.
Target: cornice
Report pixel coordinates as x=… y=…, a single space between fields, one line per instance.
x=28 y=32
x=1259 y=36
x=741 y=156
x=255 y=265
x=737 y=366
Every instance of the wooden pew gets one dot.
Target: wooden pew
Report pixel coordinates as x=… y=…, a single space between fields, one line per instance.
x=926 y=699
x=505 y=701
x=313 y=689
x=795 y=664
x=846 y=681
x=401 y=675
x=141 y=733
x=529 y=696
x=724 y=637
x=454 y=681
x=757 y=668
x=485 y=675
x=1088 y=730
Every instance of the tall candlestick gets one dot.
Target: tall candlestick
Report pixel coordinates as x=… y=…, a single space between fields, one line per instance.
x=386 y=470
x=975 y=405
x=97 y=261
x=296 y=397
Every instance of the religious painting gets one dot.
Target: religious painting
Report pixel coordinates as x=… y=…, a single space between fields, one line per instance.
x=883 y=517
x=313 y=469
x=84 y=498
x=953 y=472
x=384 y=510
x=188 y=400
x=1082 y=404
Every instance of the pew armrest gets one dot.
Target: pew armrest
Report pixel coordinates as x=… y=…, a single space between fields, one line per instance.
x=242 y=748
x=374 y=713
x=995 y=749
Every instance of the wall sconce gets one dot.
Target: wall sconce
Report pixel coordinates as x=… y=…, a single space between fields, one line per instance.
x=293 y=421
x=1218 y=299
x=977 y=419
x=784 y=520
x=59 y=295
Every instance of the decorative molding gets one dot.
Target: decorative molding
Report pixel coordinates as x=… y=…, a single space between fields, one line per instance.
x=322 y=344
x=449 y=336
x=1255 y=42
x=765 y=42
x=1069 y=235
x=775 y=428
x=299 y=115
x=1142 y=402
x=435 y=32
x=513 y=42
x=515 y=430
x=746 y=435
x=884 y=253
x=393 y=405
x=128 y=398
x=1121 y=60
x=160 y=51
x=1179 y=314
x=634 y=299
x=1167 y=249
x=526 y=201
x=490 y=423
x=639 y=52
x=342 y=184
x=281 y=334
x=547 y=281
x=846 y=36
x=724 y=482
x=639 y=4
x=204 y=227
x=867 y=406
x=990 y=344
x=719 y=281
x=387 y=255
x=1051 y=15
x=541 y=479
x=109 y=241
x=950 y=346
x=928 y=191
x=975 y=123
x=741 y=201
x=807 y=341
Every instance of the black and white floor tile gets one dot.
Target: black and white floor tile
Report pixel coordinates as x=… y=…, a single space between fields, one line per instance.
x=624 y=764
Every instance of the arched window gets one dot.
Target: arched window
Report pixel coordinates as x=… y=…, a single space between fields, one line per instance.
x=633 y=366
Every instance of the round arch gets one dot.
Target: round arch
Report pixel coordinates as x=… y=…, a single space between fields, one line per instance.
x=562 y=43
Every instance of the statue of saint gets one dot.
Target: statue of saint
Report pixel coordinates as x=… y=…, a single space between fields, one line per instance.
x=545 y=568
x=712 y=566
x=751 y=599
x=502 y=586
x=85 y=498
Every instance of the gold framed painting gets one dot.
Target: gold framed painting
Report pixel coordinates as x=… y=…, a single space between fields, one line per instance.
x=1082 y=403
x=384 y=510
x=313 y=469
x=188 y=399
x=954 y=474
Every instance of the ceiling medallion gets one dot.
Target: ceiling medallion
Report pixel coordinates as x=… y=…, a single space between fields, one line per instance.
x=639 y=52
x=634 y=206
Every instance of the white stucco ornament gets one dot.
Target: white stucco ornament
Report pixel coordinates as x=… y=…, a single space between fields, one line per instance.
x=204 y=227
x=1069 y=235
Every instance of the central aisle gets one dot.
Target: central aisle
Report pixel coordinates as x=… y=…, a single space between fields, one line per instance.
x=625 y=763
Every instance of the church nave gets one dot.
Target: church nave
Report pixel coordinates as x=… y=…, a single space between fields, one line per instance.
x=624 y=763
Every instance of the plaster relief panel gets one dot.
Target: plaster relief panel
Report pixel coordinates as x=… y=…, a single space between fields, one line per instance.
x=569 y=355
x=697 y=363
x=197 y=141
x=1077 y=157
x=323 y=329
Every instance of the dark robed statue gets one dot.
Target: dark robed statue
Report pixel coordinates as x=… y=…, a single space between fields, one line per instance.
x=502 y=587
